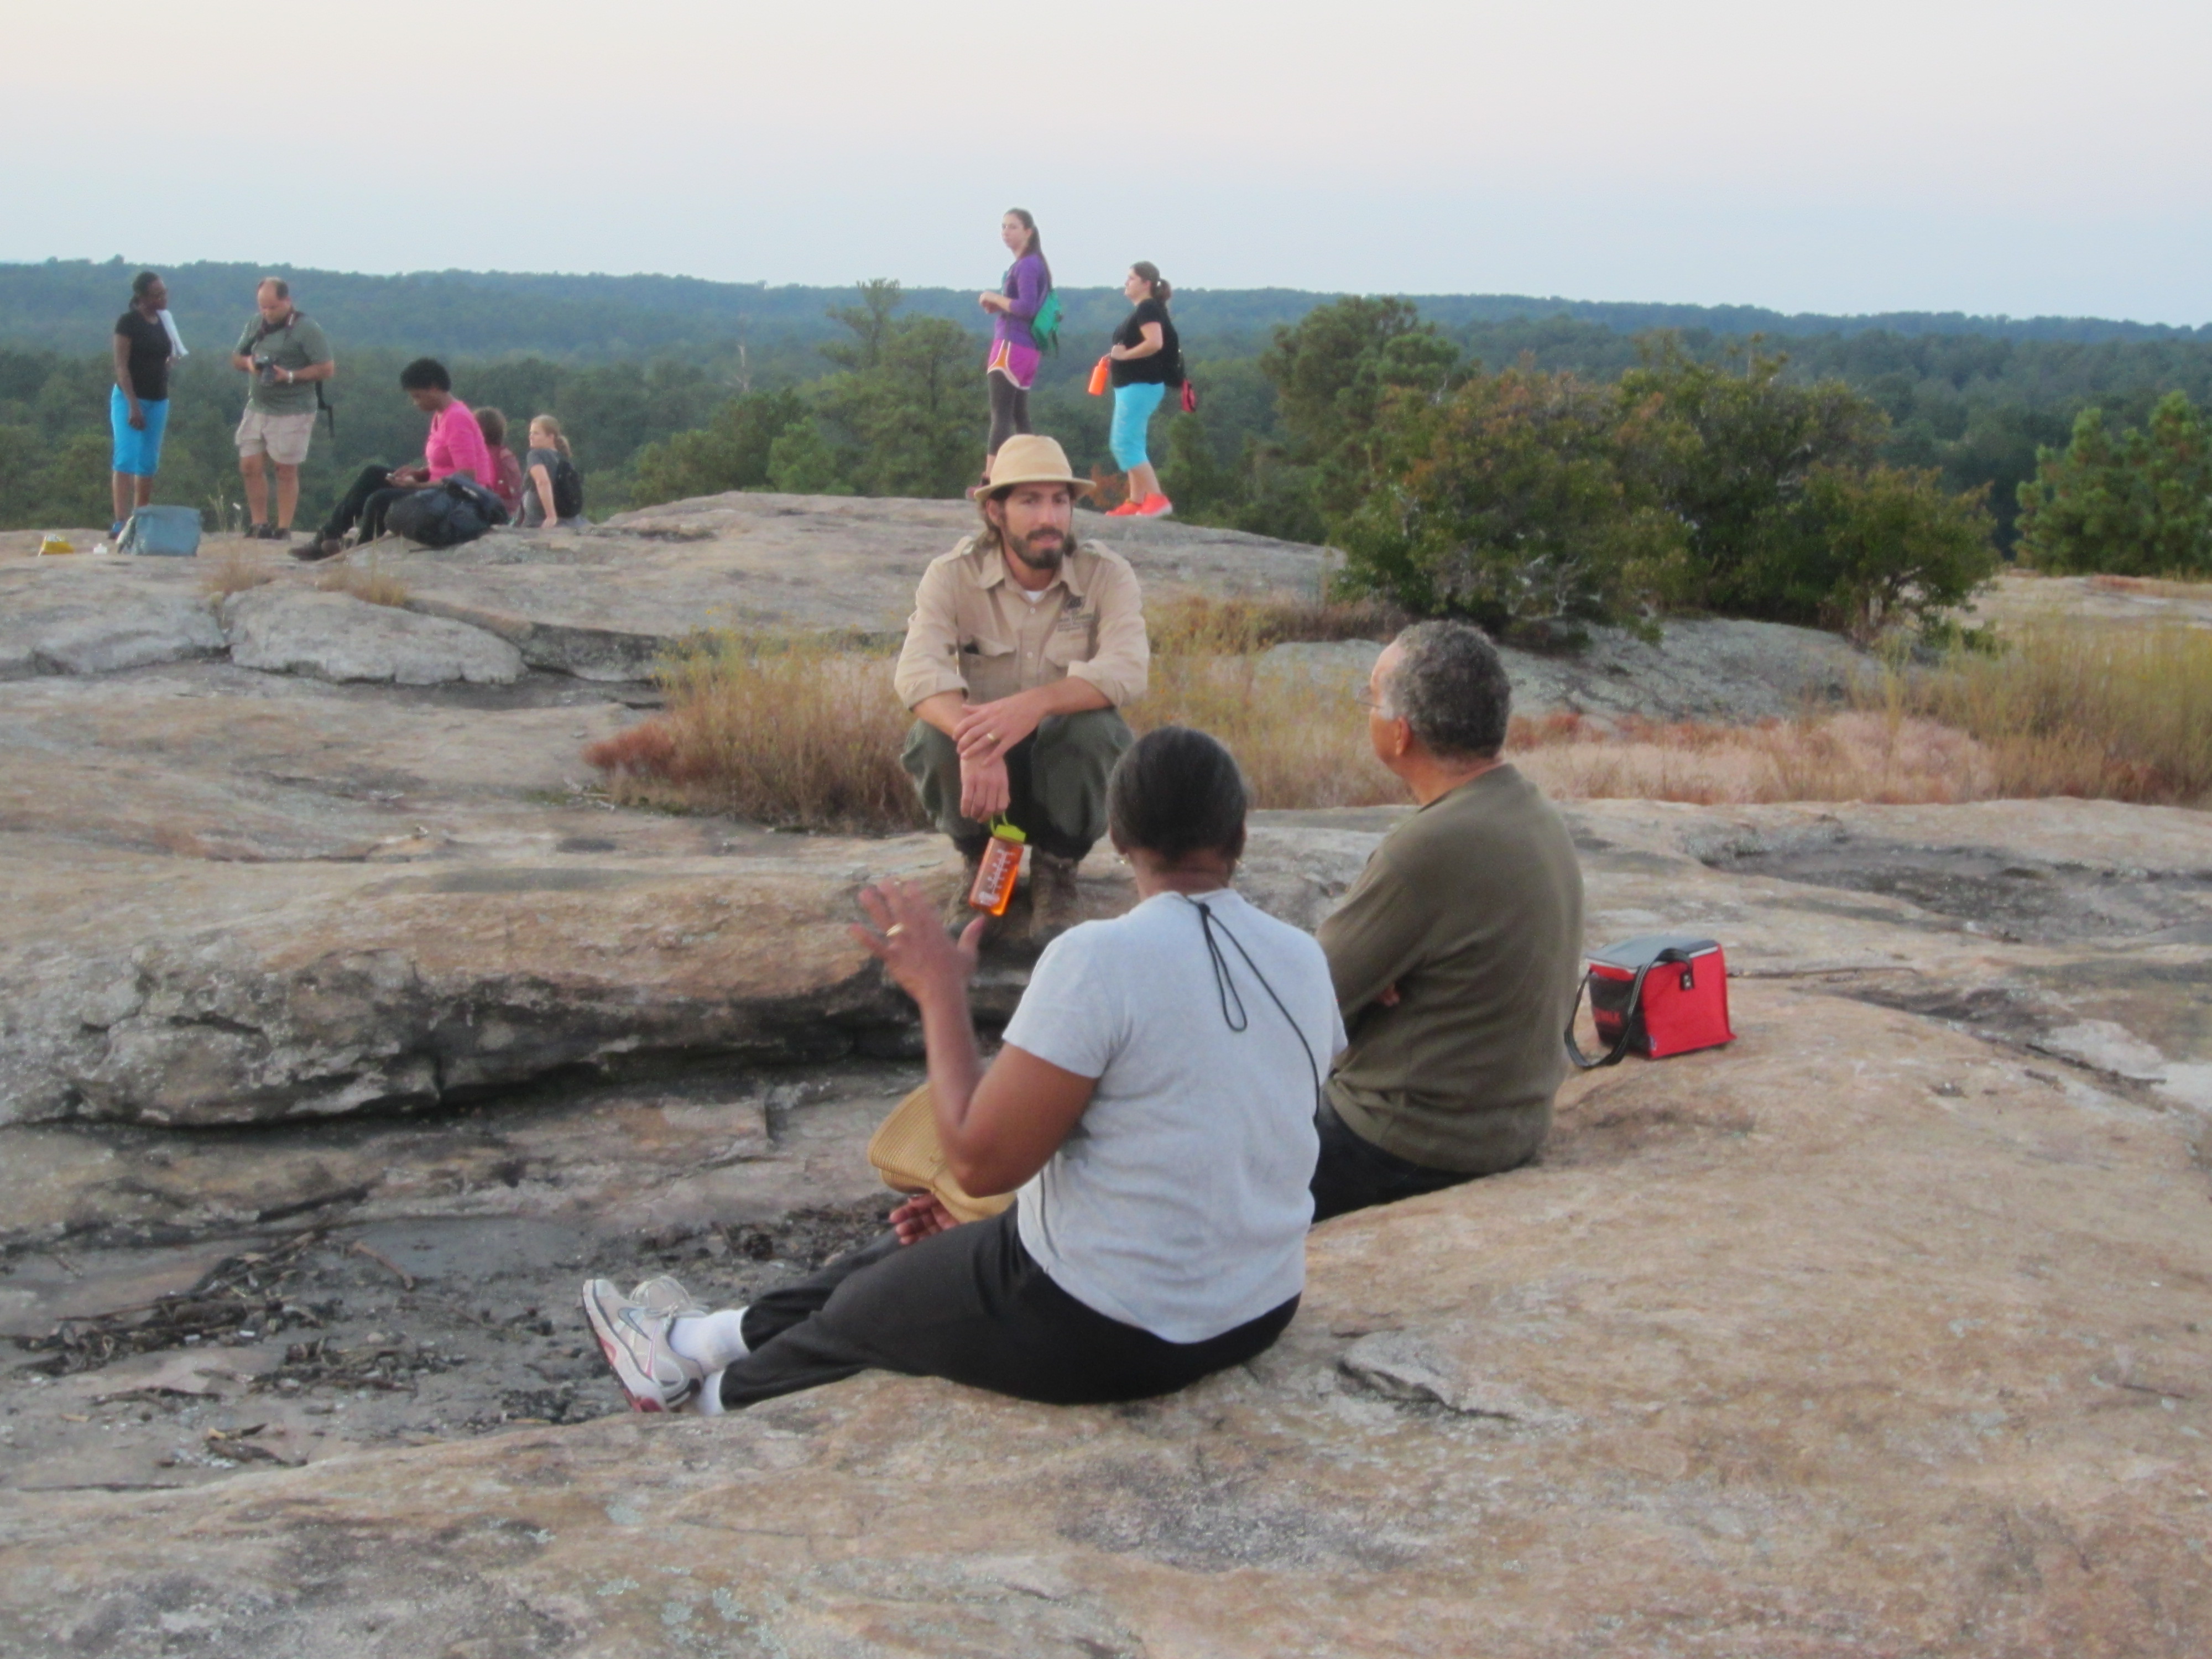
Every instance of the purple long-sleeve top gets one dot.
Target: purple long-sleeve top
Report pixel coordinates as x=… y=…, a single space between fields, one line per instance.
x=1025 y=286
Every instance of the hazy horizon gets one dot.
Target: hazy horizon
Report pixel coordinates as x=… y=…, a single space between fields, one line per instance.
x=307 y=270
x=1934 y=156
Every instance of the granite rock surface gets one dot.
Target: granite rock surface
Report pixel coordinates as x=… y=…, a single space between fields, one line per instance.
x=343 y=1028
x=336 y=636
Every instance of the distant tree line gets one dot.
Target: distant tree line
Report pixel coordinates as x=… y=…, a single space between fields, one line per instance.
x=68 y=305
x=1630 y=472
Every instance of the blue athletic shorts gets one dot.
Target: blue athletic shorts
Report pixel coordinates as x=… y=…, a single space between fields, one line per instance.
x=1133 y=413
x=137 y=452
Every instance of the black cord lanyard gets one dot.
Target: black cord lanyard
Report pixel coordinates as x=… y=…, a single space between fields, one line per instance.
x=1225 y=986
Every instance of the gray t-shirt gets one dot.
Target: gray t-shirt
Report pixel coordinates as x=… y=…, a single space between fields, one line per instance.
x=535 y=512
x=299 y=344
x=1179 y=1202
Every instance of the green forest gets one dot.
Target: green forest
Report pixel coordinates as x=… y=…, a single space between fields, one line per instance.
x=1319 y=416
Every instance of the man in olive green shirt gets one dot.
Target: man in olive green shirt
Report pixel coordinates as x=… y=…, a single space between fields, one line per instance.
x=1457 y=954
x=285 y=356
x=1023 y=646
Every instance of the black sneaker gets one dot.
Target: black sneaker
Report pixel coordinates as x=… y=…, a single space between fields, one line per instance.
x=276 y=535
x=256 y=532
x=327 y=547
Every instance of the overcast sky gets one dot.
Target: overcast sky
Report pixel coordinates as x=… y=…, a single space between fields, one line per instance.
x=2033 y=157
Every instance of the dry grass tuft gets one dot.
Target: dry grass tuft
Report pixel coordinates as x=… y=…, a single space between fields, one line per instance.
x=805 y=732
x=795 y=730
x=234 y=573
x=2112 y=711
x=2096 y=711
x=1301 y=742
x=1856 y=755
x=365 y=581
x=2158 y=586
x=1182 y=623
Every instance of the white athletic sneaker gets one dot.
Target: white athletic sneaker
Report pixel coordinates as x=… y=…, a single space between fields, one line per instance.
x=634 y=1339
x=664 y=1295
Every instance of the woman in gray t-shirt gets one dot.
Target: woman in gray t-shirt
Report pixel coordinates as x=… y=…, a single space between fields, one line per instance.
x=549 y=472
x=1154 y=1105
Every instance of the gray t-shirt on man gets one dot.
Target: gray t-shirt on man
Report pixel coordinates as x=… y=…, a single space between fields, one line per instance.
x=299 y=344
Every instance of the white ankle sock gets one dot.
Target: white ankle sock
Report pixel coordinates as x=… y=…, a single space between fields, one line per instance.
x=708 y=1403
x=714 y=1340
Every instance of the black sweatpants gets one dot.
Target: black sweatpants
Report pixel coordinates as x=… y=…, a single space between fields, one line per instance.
x=367 y=500
x=969 y=1305
x=1354 y=1173
x=1010 y=410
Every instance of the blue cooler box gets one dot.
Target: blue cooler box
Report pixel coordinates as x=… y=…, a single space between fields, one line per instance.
x=171 y=531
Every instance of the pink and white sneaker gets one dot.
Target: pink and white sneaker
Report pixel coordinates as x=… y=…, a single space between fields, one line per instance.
x=634 y=1337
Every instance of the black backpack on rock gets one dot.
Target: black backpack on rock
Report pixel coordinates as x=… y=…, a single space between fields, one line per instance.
x=449 y=513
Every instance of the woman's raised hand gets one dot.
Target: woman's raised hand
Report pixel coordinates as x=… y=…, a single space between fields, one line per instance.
x=910 y=941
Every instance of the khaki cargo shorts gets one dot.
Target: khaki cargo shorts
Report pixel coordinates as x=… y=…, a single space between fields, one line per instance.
x=282 y=438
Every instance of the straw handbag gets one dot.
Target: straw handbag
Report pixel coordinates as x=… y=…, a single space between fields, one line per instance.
x=906 y=1153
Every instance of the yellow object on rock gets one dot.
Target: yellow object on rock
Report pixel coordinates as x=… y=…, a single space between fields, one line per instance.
x=55 y=544
x=906 y=1153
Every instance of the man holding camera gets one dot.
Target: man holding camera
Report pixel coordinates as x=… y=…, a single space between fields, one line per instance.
x=286 y=355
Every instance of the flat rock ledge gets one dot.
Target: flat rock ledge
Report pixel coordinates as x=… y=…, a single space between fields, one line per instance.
x=336 y=636
x=251 y=992
x=1854 y=1339
x=104 y=631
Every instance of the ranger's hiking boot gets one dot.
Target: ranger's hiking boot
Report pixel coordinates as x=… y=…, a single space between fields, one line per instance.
x=635 y=1339
x=1055 y=905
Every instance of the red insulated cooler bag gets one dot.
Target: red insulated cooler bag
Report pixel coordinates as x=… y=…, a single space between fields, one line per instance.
x=1662 y=994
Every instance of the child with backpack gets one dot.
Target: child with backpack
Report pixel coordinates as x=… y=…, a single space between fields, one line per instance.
x=552 y=488
x=506 y=481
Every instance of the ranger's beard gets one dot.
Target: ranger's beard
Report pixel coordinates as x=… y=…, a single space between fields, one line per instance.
x=1043 y=548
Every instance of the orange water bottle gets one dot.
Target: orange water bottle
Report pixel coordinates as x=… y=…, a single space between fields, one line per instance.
x=1002 y=861
x=1102 y=376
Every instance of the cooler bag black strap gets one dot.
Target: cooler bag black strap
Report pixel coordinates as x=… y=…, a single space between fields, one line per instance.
x=1629 y=1013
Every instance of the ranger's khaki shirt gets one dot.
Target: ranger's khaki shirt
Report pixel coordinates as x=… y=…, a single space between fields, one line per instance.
x=973 y=631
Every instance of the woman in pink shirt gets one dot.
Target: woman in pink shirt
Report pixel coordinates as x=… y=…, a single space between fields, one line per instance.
x=456 y=444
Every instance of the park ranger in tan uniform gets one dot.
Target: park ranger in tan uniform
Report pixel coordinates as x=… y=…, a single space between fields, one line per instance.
x=1022 y=645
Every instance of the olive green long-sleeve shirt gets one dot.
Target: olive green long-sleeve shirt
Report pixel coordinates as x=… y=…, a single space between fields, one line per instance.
x=1473 y=910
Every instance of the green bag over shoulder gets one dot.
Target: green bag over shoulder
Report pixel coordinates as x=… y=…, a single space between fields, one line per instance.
x=1044 y=327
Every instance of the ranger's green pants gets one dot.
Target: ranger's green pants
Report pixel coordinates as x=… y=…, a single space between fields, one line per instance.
x=1057 y=775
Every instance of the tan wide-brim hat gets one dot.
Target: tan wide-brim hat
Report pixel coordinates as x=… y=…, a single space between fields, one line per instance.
x=1030 y=459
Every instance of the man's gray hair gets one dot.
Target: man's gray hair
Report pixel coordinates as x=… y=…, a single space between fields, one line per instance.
x=1450 y=687
x=283 y=289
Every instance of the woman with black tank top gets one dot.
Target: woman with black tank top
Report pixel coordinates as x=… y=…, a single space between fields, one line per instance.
x=1146 y=360
x=138 y=406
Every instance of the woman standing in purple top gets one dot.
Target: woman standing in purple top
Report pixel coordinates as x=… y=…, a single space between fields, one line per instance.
x=1012 y=368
